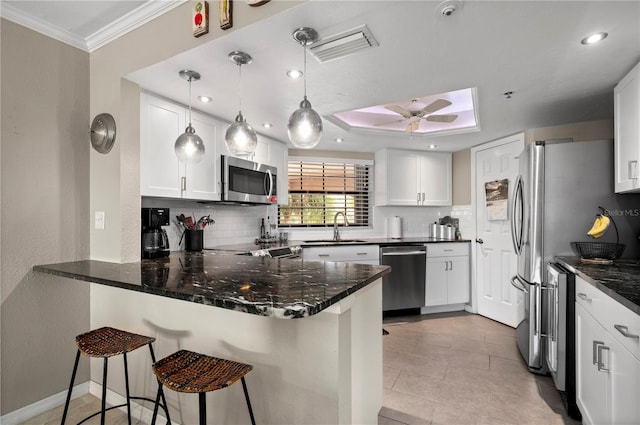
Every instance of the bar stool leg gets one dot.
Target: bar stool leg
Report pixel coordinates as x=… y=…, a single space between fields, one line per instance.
x=126 y=384
x=246 y=396
x=73 y=378
x=104 y=390
x=160 y=393
x=203 y=408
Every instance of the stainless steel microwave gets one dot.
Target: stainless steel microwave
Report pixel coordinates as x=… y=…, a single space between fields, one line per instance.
x=248 y=182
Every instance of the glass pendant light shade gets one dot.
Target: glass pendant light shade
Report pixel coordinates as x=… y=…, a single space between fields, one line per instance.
x=241 y=138
x=189 y=147
x=305 y=126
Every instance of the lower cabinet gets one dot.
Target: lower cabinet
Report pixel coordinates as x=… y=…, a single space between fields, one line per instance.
x=364 y=254
x=447 y=279
x=607 y=373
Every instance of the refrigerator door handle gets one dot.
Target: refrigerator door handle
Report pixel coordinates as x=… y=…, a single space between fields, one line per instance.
x=516 y=222
x=516 y=282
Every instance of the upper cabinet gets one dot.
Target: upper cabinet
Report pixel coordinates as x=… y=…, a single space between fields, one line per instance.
x=418 y=178
x=162 y=175
x=627 y=132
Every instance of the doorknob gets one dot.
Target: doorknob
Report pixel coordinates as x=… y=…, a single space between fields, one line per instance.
x=480 y=241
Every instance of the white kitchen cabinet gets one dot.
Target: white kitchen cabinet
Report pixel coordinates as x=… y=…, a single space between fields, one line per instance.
x=447 y=279
x=627 y=132
x=365 y=254
x=161 y=174
x=607 y=373
x=409 y=178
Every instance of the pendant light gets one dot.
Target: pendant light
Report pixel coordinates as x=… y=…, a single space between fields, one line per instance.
x=240 y=138
x=189 y=146
x=305 y=125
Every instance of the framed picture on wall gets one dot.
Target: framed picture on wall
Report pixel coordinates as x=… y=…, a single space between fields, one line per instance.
x=200 y=18
x=225 y=14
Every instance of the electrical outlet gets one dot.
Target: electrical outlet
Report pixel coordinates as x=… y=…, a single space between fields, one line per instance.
x=99 y=220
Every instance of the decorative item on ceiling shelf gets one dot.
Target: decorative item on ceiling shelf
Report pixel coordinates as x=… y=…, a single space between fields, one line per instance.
x=103 y=133
x=200 y=18
x=226 y=7
x=189 y=146
x=305 y=125
x=256 y=3
x=240 y=138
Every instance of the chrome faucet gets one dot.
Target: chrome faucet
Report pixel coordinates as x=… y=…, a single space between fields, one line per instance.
x=336 y=233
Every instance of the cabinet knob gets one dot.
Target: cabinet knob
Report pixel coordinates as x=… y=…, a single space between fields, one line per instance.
x=480 y=241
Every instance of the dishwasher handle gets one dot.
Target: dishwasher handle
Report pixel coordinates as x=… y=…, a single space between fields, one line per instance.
x=398 y=253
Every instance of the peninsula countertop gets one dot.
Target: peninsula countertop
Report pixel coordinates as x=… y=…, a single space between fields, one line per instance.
x=262 y=286
x=620 y=280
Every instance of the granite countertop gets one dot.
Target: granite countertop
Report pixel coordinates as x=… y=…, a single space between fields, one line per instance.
x=248 y=247
x=620 y=280
x=263 y=286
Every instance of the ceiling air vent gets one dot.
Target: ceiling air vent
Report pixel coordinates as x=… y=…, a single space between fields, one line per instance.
x=343 y=44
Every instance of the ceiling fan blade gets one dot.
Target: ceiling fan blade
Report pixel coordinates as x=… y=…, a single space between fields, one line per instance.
x=388 y=122
x=398 y=110
x=441 y=118
x=436 y=105
x=413 y=126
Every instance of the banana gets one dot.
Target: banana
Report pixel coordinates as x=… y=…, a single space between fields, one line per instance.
x=600 y=226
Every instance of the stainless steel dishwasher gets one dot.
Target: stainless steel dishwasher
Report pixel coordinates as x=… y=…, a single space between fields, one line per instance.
x=403 y=288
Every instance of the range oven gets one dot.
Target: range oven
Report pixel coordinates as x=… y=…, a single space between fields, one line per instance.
x=560 y=353
x=248 y=182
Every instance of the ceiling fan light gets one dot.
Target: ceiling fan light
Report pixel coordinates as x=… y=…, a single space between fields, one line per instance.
x=305 y=126
x=189 y=147
x=241 y=138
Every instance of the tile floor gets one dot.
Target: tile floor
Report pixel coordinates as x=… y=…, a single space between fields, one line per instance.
x=451 y=369
x=460 y=368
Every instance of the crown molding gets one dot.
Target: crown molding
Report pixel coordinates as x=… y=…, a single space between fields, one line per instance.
x=132 y=20
x=12 y=14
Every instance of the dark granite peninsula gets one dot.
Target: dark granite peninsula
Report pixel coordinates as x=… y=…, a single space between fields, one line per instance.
x=619 y=280
x=256 y=285
x=324 y=367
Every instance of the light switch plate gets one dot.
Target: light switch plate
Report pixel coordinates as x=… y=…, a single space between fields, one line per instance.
x=99 y=220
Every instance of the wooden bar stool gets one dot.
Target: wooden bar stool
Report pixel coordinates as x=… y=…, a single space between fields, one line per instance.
x=188 y=372
x=104 y=343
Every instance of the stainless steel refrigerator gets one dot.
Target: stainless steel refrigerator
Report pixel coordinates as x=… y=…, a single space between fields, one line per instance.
x=556 y=198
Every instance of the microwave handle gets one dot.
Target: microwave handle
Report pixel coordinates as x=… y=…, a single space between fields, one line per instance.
x=270 y=186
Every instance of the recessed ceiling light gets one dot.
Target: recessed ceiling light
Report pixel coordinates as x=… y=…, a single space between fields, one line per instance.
x=432 y=146
x=294 y=74
x=339 y=140
x=204 y=99
x=594 y=38
x=267 y=125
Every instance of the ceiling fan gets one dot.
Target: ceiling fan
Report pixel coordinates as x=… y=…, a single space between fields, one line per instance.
x=415 y=115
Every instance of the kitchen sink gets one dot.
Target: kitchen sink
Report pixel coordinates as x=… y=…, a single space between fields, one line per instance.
x=332 y=241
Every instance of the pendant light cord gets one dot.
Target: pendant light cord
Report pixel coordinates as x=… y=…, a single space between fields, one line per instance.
x=240 y=88
x=304 y=49
x=189 y=101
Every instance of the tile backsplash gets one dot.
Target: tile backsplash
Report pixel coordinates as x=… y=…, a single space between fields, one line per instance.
x=233 y=224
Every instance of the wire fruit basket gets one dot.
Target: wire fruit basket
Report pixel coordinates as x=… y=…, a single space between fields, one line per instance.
x=600 y=252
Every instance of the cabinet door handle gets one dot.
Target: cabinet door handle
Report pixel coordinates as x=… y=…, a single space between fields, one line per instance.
x=583 y=297
x=625 y=332
x=633 y=169
x=450 y=265
x=418 y=200
x=423 y=197
x=601 y=367
x=361 y=253
x=183 y=184
x=596 y=353
x=323 y=255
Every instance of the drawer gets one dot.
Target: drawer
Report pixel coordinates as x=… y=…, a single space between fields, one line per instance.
x=444 y=249
x=617 y=319
x=353 y=253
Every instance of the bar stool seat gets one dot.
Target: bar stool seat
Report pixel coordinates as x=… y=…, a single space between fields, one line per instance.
x=189 y=372
x=104 y=343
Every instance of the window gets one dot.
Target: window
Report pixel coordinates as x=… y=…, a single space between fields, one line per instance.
x=319 y=189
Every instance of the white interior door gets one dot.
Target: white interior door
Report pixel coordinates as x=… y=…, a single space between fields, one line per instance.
x=495 y=261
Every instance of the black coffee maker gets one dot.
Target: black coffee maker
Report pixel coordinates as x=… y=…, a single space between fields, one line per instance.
x=155 y=243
